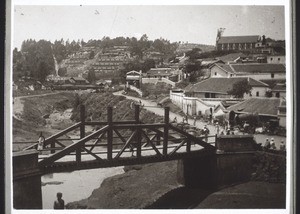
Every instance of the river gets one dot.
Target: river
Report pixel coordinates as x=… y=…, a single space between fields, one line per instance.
x=75 y=185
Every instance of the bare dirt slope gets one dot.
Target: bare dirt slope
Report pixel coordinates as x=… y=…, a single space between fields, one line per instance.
x=137 y=188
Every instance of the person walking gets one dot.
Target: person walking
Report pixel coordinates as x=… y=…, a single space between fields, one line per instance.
x=217 y=128
x=59 y=204
x=267 y=144
x=273 y=146
x=40 y=145
x=195 y=120
x=206 y=132
x=282 y=146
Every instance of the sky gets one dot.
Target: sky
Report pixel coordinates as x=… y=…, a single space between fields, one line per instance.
x=189 y=23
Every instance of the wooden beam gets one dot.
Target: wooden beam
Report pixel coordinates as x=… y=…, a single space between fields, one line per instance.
x=138 y=132
x=126 y=144
x=57 y=135
x=151 y=143
x=178 y=147
x=97 y=141
x=166 y=131
x=120 y=136
x=134 y=126
x=109 y=133
x=71 y=148
x=151 y=138
x=192 y=138
x=95 y=156
x=103 y=123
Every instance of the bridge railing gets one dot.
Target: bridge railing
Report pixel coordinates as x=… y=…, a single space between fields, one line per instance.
x=115 y=139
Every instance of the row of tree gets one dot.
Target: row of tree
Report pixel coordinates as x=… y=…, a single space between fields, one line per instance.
x=35 y=60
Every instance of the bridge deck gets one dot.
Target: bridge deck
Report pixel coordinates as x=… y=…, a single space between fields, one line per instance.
x=112 y=144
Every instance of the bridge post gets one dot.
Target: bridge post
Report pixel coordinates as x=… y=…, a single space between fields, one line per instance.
x=82 y=131
x=109 y=133
x=27 y=191
x=166 y=131
x=138 y=134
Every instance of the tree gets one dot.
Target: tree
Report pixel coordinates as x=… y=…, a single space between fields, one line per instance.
x=148 y=64
x=193 y=70
x=92 y=55
x=91 y=75
x=240 y=88
x=62 y=71
x=269 y=93
x=42 y=72
x=194 y=54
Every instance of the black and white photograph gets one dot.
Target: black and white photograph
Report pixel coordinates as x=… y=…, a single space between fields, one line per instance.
x=117 y=106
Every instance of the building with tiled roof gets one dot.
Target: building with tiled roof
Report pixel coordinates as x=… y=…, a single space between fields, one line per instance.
x=257 y=105
x=256 y=71
x=219 y=87
x=237 y=42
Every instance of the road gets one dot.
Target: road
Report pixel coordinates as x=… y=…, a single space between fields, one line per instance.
x=153 y=107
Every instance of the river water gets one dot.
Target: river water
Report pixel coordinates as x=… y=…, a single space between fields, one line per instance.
x=75 y=185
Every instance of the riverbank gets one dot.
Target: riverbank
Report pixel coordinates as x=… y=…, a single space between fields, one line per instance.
x=139 y=187
x=155 y=186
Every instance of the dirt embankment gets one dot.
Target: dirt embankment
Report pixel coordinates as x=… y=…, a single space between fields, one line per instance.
x=155 y=186
x=139 y=187
x=40 y=114
x=96 y=108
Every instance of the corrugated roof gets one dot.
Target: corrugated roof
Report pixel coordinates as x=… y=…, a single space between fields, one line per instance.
x=258 y=68
x=221 y=85
x=262 y=106
x=238 y=39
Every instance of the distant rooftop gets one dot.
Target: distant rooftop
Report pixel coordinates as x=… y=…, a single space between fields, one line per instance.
x=238 y=39
x=221 y=85
x=261 y=106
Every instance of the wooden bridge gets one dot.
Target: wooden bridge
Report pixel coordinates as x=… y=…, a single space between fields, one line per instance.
x=118 y=143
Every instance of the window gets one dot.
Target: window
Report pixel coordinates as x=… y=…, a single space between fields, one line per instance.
x=215 y=73
x=272 y=75
x=277 y=94
x=257 y=93
x=271 y=58
x=278 y=59
x=206 y=95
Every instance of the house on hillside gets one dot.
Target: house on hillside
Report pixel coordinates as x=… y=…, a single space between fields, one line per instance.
x=159 y=73
x=134 y=78
x=219 y=87
x=78 y=81
x=233 y=58
x=236 y=42
x=258 y=71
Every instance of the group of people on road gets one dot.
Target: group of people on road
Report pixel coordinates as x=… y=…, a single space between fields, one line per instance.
x=271 y=145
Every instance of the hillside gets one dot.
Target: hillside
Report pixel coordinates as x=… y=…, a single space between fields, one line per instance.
x=77 y=69
x=184 y=47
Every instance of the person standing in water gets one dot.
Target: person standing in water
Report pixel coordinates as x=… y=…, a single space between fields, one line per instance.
x=59 y=204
